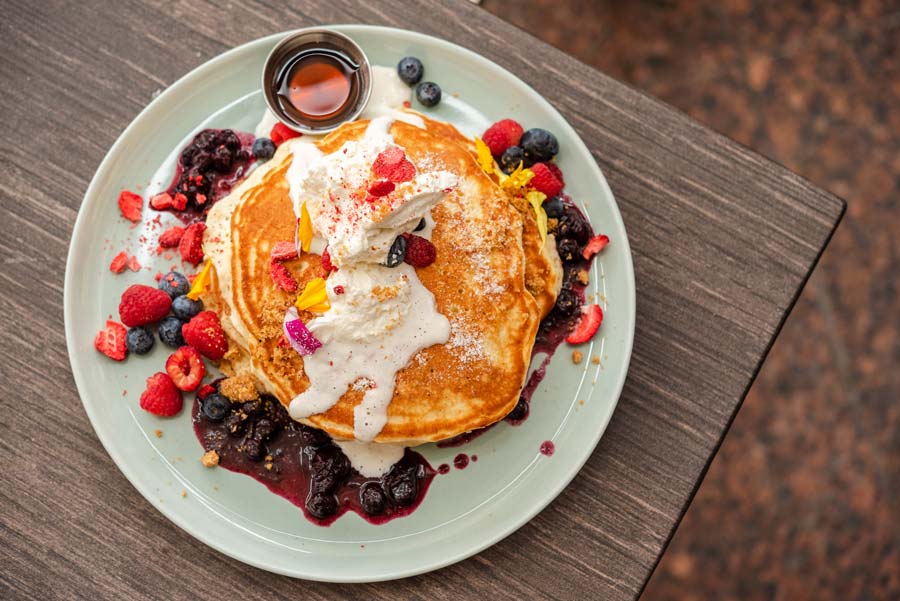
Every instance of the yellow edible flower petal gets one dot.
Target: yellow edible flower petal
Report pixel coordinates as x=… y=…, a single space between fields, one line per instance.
x=314 y=297
x=201 y=283
x=517 y=180
x=537 y=203
x=485 y=159
x=304 y=229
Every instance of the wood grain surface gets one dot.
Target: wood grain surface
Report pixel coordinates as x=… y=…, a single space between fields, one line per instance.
x=723 y=241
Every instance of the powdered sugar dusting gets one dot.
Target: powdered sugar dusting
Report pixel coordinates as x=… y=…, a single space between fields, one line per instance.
x=469 y=345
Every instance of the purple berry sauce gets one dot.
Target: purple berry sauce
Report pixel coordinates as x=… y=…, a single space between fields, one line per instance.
x=304 y=466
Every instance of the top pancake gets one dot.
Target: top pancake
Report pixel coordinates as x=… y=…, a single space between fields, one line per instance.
x=491 y=267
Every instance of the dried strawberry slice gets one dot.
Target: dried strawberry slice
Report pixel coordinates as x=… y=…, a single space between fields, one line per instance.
x=130 y=205
x=285 y=250
x=119 y=262
x=595 y=245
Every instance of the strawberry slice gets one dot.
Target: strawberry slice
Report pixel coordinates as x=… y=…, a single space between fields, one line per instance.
x=595 y=245
x=111 y=341
x=285 y=250
x=130 y=204
x=186 y=368
x=587 y=326
x=161 y=201
x=119 y=262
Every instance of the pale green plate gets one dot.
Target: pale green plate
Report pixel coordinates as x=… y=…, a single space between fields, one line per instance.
x=464 y=511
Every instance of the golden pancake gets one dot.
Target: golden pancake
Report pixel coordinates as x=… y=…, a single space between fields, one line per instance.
x=491 y=267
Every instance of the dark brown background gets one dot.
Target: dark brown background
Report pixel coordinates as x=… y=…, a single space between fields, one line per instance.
x=802 y=500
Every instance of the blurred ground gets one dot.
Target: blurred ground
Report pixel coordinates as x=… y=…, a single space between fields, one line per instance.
x=803 y=499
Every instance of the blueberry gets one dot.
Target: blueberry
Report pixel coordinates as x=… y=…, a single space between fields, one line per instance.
x=235 y=423
x=569 y=250
x=372 y=498
x=519 y=412
x=174 y=284
x=321 y=505
x=567 y=302
x=215 y=407
x=572 y=225
x=410 y=70
x=264 y=429
x=511 y=158
x=397 y=252
x=170 y=332
x=554 y=207
x=185 y=308
x=539 y=145
x=263 y=148
x=330 y=460
x=139 y=340
x=421 y=225
x=428 y=93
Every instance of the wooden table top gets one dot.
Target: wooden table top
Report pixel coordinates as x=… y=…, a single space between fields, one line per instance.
x=723 y=241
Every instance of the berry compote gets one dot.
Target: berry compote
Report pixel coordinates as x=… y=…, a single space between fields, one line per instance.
x=303 y=465
x=210 y=166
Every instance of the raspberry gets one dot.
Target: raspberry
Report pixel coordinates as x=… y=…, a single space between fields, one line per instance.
x=381 y=187
x=111 y=341
x=545 y=181
x=171 y=237
x=185 y=367
x=501 y=135
x=161 y=201
x=119 y=262
x=205 y=333
x=391 y=164
x=130 y=204
x=141 y=305
x=133 y=264
x=282 y=277
x=161 y=397
x=327 y=265
x=284 y=251
x=556 y=171
x=282 y=132
x=191 y=244
x=420 y=252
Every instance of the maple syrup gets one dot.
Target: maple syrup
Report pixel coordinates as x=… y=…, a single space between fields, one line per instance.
x=317 y=84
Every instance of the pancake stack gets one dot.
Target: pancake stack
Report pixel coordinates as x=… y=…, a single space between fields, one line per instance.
x=494 y=279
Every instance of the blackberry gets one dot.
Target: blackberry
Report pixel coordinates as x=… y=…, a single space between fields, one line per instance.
x=139 y=340
x=539 y=145
x=372 y=498
x=410 y=70
x=400 y=484
x=567 y=302
x=569 y=250
x=321 y=505
x=572 y=225
x=428 y=93
x=169 y=331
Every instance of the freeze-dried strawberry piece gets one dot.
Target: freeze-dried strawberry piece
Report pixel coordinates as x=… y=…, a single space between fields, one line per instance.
x=282 y=277
x=285 y=250
x=191 y=244
x=391 y=164
x=327 y=265
x=179 y=202
x=595 y=245
x=111 y=341
x=171 y=237
x=133 y=264
x=161 y=201
x=130 y=204
x=381 y=187
x=119 y=262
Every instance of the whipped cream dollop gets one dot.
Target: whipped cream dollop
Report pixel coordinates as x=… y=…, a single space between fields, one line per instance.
x=380 y=316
